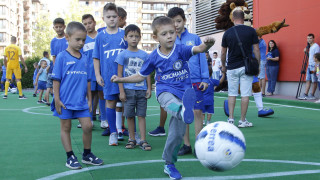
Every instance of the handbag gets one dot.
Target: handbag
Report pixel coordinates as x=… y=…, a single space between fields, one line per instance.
x=251 y=63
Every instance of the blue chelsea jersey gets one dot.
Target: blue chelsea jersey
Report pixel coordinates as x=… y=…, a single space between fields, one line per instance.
x=106 y=49
x=172 y=71
x=88 y=50
x=57 y=45
x=73 y=74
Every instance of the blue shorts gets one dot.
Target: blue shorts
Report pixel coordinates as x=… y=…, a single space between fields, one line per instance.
x=199 y=99
x=208 y=109
x=111 y=97
x=72 y=114
x=42 y=85
x=95 y=86
x=255 y=79
x=262 y=74
x=311 y=77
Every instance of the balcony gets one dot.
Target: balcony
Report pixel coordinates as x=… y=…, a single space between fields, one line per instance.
x=25 y=36
x=26 y=27
x=26 y=5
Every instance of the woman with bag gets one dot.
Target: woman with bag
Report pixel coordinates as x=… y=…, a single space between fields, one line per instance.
x=272 y=66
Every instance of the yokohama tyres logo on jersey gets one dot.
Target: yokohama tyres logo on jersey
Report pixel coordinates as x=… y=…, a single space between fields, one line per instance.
x=179 y=75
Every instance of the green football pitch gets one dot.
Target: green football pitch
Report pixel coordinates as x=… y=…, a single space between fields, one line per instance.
x=283 y=146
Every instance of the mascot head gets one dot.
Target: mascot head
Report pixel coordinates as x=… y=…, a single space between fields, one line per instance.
x=247 y=13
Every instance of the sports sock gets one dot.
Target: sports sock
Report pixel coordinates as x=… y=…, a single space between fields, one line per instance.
x=102 y=106
x=70 y=153
x=119 y=121
x=19 y=88
x=258 y=100
x=86 y=152
x=2 y=87
x=6 y=87
x=111 y=116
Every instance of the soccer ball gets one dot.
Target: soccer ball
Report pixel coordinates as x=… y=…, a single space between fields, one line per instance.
x=13 y=90
x=220 y=146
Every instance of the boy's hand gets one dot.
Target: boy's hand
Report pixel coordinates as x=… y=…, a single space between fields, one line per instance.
x=58 y=105
x=100 y=81
x=36 y=83
x=148 y=94
x=123 y=97
x=209 y=41
x=203 y=86
x=115 y=79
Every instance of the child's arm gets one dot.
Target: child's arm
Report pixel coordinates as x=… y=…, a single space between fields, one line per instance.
x=122 y=95
x=57 y=102
x=89 y=96
x=131 y=79
x=96 y=64
x=205 y=46
x=148 y=93
x=37 y=78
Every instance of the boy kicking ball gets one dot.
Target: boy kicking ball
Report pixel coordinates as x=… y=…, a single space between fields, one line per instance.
x=174 y=91
x=71 y=85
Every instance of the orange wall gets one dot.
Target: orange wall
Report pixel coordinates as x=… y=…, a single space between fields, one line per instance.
x=303 y=17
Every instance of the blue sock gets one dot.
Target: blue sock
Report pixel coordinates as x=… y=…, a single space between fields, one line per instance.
x=111 y=116
x=2 y=87
x=102 y=106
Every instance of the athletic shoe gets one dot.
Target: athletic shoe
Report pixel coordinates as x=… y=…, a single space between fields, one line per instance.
x=48 y=104
x=125 y=131
x=171 y=170
x=39 y=102
x=22 y=97
x=91 y=159
x=94 y=118
x=231 y=121
x=113 y=139
x=204 y=122
x=317 y=101
x=120 y=136
x=208 y=122
x=104 y=124
x=79 y=125
x=303 y=97
x=5 y=97
x=72 y=163
x=44 y=101
x=159 y=131
x=34 y=95
x=185 y=150
x=243 y=124
x=106 y=132
x=226 y=107
x=311 y=97
x=188 y=101
x=265 y=112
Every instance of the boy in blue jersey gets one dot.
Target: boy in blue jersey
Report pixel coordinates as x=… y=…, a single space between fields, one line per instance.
x=109 y=43
x=96 y=90
x=58 y=43
x=122 y=20
x=71 y=85
x=134 y=95
x=41 y=80
x=173 y=86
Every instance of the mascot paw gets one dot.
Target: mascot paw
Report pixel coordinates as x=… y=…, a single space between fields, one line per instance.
x=278 y=25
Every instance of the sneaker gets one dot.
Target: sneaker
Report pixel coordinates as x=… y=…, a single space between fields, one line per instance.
x=188 y=101
x=104 y=124
x=243 y=124
x=208 y=122
x=34 y=95
x=317 y=101
x=120 y=136
x=113 y=139
x=39 y=102
x=48 y=104
x=79 y=125
x=171 y=170
x=185 y=150
x=44 y=101
x=311 y=97
x=94 y=118
x=22 y=97
x=226 y=107
x=125 y=131
x=204 y=122
x=159 y=131
x=91 y=159
x=265 y=112
x=231 y=121
x=5 y=97
x=72 y=163
x=106 y=132
x=303 y=97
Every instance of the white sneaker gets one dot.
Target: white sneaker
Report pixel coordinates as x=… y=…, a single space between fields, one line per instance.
x=208 y=122
x=79 y=125
x=243 y=124
x=317 y=101
x=104 y=124
x=113 y=139
x=203 y=122
x=311 y=97
x=231 y=121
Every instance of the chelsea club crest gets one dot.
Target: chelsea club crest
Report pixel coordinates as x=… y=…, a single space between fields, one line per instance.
x=177 y=65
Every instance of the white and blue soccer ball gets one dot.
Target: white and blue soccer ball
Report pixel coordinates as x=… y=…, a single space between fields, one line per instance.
x=220 y=146
x=13 y=90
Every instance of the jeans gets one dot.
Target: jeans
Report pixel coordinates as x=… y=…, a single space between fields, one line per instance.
x=272 y=74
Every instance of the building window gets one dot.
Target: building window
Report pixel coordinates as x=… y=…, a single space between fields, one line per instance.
x=132 y=15
x=2 y=37
x=97 y=14
x=97 y=3
x=156 y=15
x=3 y=24
x=132 y=5
x=169 y=6
x=146 y=6
x=184 y=6
x=3 y=10
x=146 y=36
x=159 y=7
x=146 y=16
x=146 y=26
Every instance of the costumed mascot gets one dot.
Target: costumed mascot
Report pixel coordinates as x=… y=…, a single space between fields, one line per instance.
x=224 y=22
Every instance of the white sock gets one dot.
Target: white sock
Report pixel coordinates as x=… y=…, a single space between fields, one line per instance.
x=258 y=100
x=119 y=121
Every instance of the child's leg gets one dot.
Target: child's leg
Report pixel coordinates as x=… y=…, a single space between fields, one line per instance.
x=87 y=132
x=111 y=115
x=40 y=95
x=209 y=117
x=130 y=121
x=171 y=104
x=65 y=129
x=142 y=127
x=46 y=95
x=119 y=117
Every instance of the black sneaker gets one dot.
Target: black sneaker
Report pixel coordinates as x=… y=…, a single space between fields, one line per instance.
x=34 y=95
x=185 y=150
x=39 y=102
x=22 y=97
x=5 y=97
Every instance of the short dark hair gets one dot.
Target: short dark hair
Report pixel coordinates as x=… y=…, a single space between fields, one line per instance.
x=121 y=12
x=72 y=26
x=312 y=35
x=160 y=21
x=45 y=53
x=132 y=28
x=317 y=56
x=110 y=7
x=238 y=14
x=13 y=39
x=215 y=53
x=86 y=16
x=176 y=11
x=58 y=21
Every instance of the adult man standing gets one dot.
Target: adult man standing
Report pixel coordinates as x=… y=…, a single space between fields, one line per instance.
x=235 y=65
x=311 y=71
x=216 y=65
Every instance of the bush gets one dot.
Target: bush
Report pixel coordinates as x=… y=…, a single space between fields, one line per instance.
x=27 y=78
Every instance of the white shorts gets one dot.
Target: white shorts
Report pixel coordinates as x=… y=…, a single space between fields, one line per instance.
x=234 y=77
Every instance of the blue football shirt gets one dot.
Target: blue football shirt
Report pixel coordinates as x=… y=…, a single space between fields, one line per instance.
x=106 y=49
x=88 y=50
x=57 y=45
x=73 y=75
x=132 y=63
x=4 y=71
x=172 y=71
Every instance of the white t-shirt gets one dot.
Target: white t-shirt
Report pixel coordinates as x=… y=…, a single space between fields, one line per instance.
x=217 y=64
x=313 y=50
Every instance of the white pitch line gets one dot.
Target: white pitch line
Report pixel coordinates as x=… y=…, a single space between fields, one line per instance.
x=10 y=109
x=251 y=176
